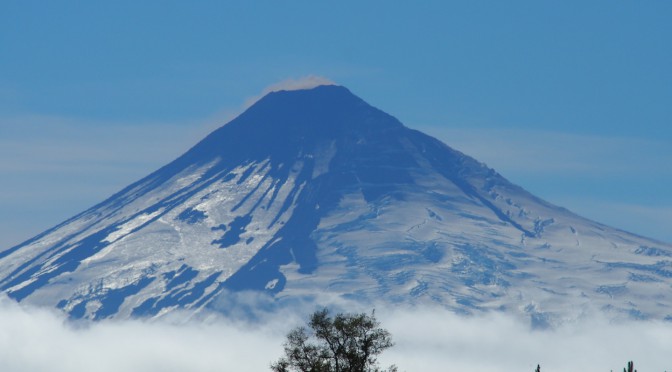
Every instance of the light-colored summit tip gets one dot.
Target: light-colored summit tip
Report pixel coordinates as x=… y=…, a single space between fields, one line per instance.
x=302 y=83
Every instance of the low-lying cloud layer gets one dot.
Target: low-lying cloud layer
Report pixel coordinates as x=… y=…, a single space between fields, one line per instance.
x=427 y=339
x=434 y=340
x=41 y=340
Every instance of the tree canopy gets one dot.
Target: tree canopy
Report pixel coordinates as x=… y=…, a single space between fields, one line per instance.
x=345 y=342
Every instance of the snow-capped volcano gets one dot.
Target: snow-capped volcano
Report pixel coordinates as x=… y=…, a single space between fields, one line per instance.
x=315 y=191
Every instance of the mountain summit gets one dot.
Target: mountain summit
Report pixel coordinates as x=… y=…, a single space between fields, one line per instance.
x=316 y=192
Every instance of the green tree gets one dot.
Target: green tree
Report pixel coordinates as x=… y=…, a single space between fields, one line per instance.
x=631 y=367
x=343 y=343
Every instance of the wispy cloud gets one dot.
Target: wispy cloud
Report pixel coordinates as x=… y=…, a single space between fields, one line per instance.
x=646 y=220
x=54 y=167
x=427 y=339
x=618 y=181
x=42 y=143
x=546 y=152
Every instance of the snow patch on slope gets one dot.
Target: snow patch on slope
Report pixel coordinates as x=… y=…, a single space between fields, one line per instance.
x=131 y=225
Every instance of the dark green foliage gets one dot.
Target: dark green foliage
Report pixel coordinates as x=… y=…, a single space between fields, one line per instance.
x=631 y=367
x=346 y=342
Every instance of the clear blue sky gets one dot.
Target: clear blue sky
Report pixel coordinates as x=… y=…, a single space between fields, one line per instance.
x=572 y=100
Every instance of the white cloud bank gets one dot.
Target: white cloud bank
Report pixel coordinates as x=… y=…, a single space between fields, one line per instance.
x=426 y=340
x=41 y=340
x=433 y=340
